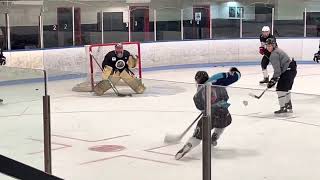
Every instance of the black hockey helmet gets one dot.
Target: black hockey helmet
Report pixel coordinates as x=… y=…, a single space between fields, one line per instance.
x=271 y=41
x=234 y=69
x=201 y=77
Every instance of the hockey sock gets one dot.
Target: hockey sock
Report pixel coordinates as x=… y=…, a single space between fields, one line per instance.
x=265 y=73
x=282 y=98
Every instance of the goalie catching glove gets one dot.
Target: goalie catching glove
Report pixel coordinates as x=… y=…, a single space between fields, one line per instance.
x=272 y=82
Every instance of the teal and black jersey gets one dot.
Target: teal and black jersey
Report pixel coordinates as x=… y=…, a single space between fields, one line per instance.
x=224 y=79
x=218 y=93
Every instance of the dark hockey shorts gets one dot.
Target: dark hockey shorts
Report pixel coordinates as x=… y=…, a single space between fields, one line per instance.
x=287 y=78
x=220 y=118
x=265 y=60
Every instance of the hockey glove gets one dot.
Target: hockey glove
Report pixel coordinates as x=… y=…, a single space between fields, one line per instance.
x=261 y=50
x=272 y=82
x=222 y=104
x=2 y=60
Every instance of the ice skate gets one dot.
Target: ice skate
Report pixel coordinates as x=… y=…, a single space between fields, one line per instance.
x=289 y=107
x=214 y=139
x=265 y=80
x=186 y=148
x=281 y=111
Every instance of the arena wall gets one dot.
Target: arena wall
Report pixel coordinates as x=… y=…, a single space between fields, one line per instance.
x=67 y=60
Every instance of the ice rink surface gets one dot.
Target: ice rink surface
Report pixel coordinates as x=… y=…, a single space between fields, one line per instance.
x=111 y=138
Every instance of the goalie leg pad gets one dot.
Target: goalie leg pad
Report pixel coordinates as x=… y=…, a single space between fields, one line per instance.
x=135 y=84
x=105 y=85
x=101 y=87
x=106 y=72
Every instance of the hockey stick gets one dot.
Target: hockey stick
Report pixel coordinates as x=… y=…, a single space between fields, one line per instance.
x=258 y=97
x=170 y=138
x=112 y=85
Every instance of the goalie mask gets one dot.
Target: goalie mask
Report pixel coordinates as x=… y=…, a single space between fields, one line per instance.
x=119 y=50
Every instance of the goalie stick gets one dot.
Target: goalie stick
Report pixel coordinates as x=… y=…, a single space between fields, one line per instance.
x=112 y=85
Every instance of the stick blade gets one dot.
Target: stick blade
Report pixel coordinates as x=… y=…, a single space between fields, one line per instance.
x=253 y=95
x=172 y=138
x=124 y=95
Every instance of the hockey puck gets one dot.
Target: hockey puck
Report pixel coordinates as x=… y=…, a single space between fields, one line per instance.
x=37 y=89
x=245 y=103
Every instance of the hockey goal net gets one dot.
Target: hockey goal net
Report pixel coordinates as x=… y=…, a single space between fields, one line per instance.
x=95 y=55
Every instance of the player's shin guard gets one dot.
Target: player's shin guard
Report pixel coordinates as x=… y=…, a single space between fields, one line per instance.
x=265 y=73
x=105 y=85
x=282 y=102
x=191 y=143
x=265 y=76
x=135 y=83
x=288 y=103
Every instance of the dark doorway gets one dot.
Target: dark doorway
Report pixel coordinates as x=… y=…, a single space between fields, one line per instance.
x=65 y=26
x=139 y=20
x=199 y=26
